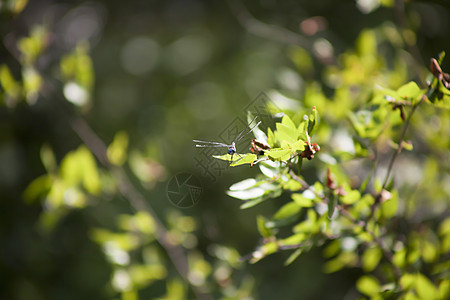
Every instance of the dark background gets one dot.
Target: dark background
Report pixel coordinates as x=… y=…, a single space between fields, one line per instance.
x=194 y=71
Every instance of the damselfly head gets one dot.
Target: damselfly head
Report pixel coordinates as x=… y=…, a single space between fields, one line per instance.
x=232 y=149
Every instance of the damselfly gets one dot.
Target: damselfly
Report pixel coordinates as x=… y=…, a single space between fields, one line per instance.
x=231 y=147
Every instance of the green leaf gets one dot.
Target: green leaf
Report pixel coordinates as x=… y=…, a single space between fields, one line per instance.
x=252 y=202
x=77 y=66
x=288 y=122
x=368 y=285
x=351 y=197
x=425 y=288
x=80 y=167
x=312 y=120
x=117 y=151
x=247 y=194
x=288 y=210
x=390 y=206
x=302 y=201
x=286 y=133
x=293 y=256
x=262 y=228
x=298 y=146
x=367 y=43
x=244 y=159
x=32 y=83
x=279 y=154
x=409 y=91
x=270 y=137
x=243 y=185
x=31 y=47
x=444 y=289
x=331 y=205
x=294 y=239
x=238 y=160
x=303 y=128
x=8 y=83
x=39 y=187
x=48 y=158
x=371 y=258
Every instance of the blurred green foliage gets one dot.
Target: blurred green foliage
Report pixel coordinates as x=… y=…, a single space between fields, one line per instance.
x=100 y=101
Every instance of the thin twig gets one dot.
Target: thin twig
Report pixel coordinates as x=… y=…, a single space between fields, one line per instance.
x=274 y=32
x=397 y=152
x=386 y=251
x=126 y=188
x=136 y=199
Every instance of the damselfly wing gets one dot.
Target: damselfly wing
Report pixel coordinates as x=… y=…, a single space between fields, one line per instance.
x=231 y=147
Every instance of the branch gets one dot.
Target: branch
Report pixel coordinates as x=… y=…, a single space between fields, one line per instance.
x=136 y=199
x=126 y=188
x=400 y=142
x=273 y=32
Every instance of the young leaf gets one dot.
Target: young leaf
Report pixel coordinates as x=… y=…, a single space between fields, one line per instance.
x=293 y=256
x=371 y=258
x=237 y=160
x=270 y=137
x=368 y=285
x=262 y=228
x=8 y=83
x=409 y=91
x=287 y=210
x=251 y=193
x=243 y=185
x=302 y=200
x=288 y=122
x=279 y=154
x=285 y=133
x=331 y=205
x=245 y=159
x=351 y=197
x=312 y=120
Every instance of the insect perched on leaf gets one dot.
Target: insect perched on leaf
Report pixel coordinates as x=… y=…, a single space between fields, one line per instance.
x=231 y=147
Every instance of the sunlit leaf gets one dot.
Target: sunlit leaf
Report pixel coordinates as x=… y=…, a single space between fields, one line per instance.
x=236 y=159
x=262 y=228
x=286 y=133
x=279 y=154
x=117 y=151
x=302 y=200
x=38 y=188
x=288 y=210
x=371 y=258
x=390 y=206
x=175 y=290
x=33 y=45
x=444 y=289
x=425 y=288
x=351 y=197
x=270 y=137
x=293 y=257
x=368 y=285
x=80 y=167
x=294 y=239
x=409 y=91
x=312 y=121
x=8 y=83
x=247 y=194
x=243 y=185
